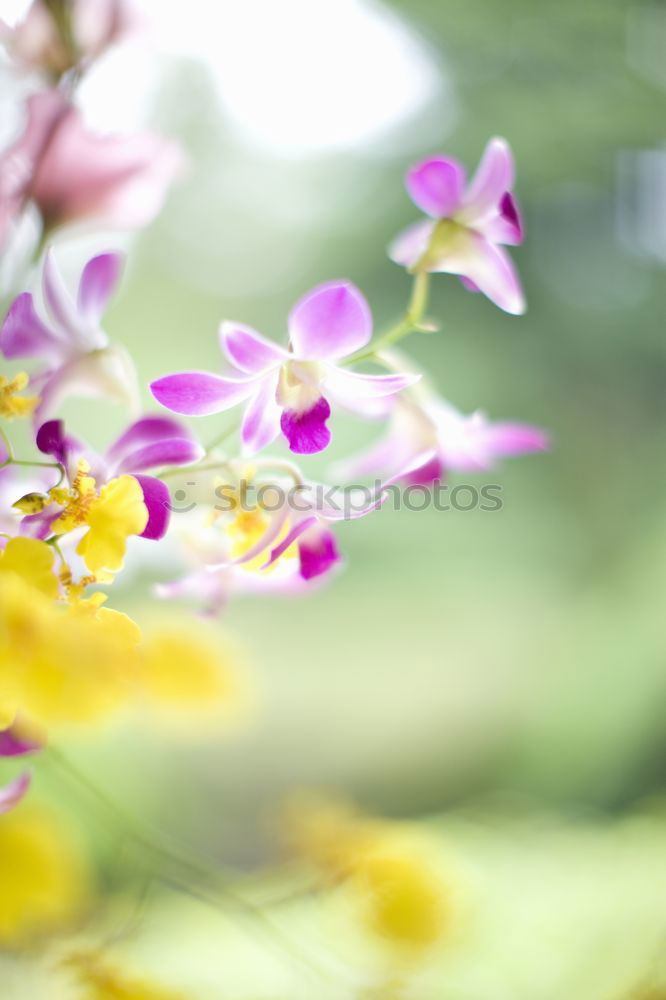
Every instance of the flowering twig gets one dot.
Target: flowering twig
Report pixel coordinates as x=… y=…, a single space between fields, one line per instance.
x=411 y=322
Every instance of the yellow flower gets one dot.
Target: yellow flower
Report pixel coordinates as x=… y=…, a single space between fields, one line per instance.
x=111 y=517
x=389 y=871
x=11 y=404
x=32 y=560
x=404 y=900
x=117 y=513
x=102 y=982
x=44 y=878
x=85 y=669
x=61 y=664
x=189 y=673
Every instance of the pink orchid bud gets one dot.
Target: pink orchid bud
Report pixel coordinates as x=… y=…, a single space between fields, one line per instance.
x=53 y=38
x=74 y=175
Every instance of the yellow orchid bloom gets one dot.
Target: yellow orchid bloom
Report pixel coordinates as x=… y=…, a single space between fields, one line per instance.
x=118 y=512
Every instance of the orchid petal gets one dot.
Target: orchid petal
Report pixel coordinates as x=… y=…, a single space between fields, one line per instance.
x=430 y=472
x=200 y=393
x=381 y=458
x=493 y=178
x=295 y=532
x=261 y=421
x=118 y=181
x=248 y=350
x=353 y=388
x=148 y=431
x=170 y=451
x=488 y=267
x=507 y=226
x=62 y=309
x=11 y=794
x=108 y=373
x=157 y=499
x=435 y=185
x=514 y=439
x=330 y=321
x=370 y=500
x=410 y=245
x=98 y=282
x=492 y=271
x=274 y=528
x=306 y=430
x=318 y=553
x=52 y=440
x=23 y=334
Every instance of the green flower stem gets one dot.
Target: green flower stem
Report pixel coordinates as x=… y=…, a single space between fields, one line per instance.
x=221 y=438
x=410 y=323
x=34 y=465
x=185 y=874
x=8 y=448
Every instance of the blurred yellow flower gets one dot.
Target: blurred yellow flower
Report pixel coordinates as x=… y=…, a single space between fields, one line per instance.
x=11 y=404
x=61 y=664
x=32 y=560
x=404 y=899
x=102 y=982
x=188 y=671
x=400 y=892
x=44 y=877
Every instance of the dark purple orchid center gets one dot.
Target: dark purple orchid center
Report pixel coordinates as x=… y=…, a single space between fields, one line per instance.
x=306 y=431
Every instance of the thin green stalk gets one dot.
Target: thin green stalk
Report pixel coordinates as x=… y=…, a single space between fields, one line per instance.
x=8 y=448
x=410 y=323
x=201 y=875
x=216 y=442
x=40 y=465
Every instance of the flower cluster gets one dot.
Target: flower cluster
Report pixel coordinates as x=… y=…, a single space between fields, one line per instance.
x=70 y=513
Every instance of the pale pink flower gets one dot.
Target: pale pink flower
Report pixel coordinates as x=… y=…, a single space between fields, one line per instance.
x=74 y=175
x=446 y=440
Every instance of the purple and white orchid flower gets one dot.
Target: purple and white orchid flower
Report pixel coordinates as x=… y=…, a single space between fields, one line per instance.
x=79 y=358
x=148 y=443
x=213 y=579
x=467 y=224
x=447 y=441
x=11 y=794
x=289 y=389
x=283 y=544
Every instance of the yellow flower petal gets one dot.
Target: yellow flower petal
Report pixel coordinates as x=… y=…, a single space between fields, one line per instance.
x=32 y=560
x=44 y=878
x=117 y=513
x=185 y=671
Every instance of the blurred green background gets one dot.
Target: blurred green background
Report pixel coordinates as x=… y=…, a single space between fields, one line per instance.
x=514 y=658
